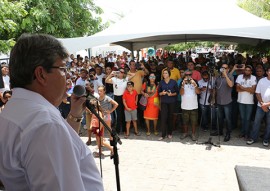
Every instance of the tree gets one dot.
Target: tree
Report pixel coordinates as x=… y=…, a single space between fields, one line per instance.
x=10 y=13
x=60 y=18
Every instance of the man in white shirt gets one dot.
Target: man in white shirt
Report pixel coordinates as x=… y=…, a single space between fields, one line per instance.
x=263 y=95
x=189 y=90
x=5 y=77
x=39 y=149
x=83 y=77
x=245 y=86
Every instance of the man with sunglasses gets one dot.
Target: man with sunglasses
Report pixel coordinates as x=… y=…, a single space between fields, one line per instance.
x=40 y=150
x=224 y=84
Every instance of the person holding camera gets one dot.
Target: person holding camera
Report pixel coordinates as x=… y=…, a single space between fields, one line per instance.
x=188 y=91
x=168 y=91
x=119 y=80
x=224 y=84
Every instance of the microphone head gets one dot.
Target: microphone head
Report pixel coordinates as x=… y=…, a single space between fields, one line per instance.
x=79 y=91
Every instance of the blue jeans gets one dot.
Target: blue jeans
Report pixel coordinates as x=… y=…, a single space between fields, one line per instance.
x=245 y=111
x=257 y=124
x=225 y=110
x=206 y=114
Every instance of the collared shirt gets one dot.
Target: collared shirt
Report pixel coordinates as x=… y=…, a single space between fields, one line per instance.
x=40 y=150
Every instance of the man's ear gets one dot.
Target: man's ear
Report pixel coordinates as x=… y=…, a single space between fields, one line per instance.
x=40 y=75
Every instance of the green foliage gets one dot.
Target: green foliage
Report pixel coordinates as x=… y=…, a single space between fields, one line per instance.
x=260 y=8
x=188 y=46
x=10 y=13
x=60 y=18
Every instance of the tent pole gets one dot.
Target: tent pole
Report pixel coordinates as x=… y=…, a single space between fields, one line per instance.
x=132 y=50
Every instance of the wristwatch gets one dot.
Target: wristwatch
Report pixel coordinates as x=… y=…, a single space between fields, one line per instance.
x=75 y=119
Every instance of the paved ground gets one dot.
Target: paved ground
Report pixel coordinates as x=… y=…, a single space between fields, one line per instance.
x=147 y=164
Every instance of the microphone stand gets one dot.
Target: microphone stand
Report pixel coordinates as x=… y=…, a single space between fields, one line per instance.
x=212 y=105
x=113 y=142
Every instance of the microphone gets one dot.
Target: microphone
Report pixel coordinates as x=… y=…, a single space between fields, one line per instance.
x=79 y=91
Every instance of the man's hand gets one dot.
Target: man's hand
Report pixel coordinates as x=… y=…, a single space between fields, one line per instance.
x=264 y=107
x=77 y=105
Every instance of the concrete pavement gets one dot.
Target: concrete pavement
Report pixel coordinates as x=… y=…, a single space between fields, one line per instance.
x=147 y=164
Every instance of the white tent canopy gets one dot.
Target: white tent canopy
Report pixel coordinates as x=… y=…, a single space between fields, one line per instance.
x=174 y=21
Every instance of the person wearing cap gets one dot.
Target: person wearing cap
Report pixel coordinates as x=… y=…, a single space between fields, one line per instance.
x=245 y=86
x=130 y=100
x=189 y=91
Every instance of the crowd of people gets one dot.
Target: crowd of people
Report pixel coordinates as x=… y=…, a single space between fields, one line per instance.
x=42 y=151
x=175 y=89
x=195 y=93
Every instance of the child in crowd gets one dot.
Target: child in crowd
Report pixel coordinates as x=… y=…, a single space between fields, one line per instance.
x=98 y=130
x=130 y=99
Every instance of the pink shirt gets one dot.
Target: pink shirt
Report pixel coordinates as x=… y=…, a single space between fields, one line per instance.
x=196 y=75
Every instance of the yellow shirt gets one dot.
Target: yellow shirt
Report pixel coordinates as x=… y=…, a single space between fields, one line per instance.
x=137 y=79
x=175 y=74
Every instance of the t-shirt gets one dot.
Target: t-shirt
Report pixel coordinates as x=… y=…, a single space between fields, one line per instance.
x=263 y=88
x=106 y=104
x=80 y=81
x=189 y=98
x=246 y=97
x=130 y=99
x=119 y=85
x=202 y=83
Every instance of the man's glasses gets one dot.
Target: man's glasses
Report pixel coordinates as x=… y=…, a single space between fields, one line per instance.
x=63 y=69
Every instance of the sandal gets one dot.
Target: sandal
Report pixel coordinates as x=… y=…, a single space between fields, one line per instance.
x=96 y=155
x=156 y=133
x=88 y=142
x=148 y=133
x=126 y=136
x=137 y=134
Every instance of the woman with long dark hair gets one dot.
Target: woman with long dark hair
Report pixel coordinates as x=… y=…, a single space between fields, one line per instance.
x=150 y=90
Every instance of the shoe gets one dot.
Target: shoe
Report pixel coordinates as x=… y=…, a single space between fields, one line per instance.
x=250 y=141
x=169 y=136
x=156 y=133
x=227 y=137
x=137 y=134
x=161 y=138
x=193 y=137
x=216 y=133
x=265 y=143
x=184 y=136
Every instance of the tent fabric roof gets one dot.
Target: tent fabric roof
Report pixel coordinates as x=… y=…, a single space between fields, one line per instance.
x=174 y=21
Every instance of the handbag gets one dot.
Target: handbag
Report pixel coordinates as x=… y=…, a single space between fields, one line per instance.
x=143 y=103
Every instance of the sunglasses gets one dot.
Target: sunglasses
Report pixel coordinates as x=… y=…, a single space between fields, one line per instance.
x=152 y=77
x=187 y=74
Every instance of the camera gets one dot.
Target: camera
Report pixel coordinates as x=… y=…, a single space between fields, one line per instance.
x=221 y=70
x=211 y=64
x=239 y=66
